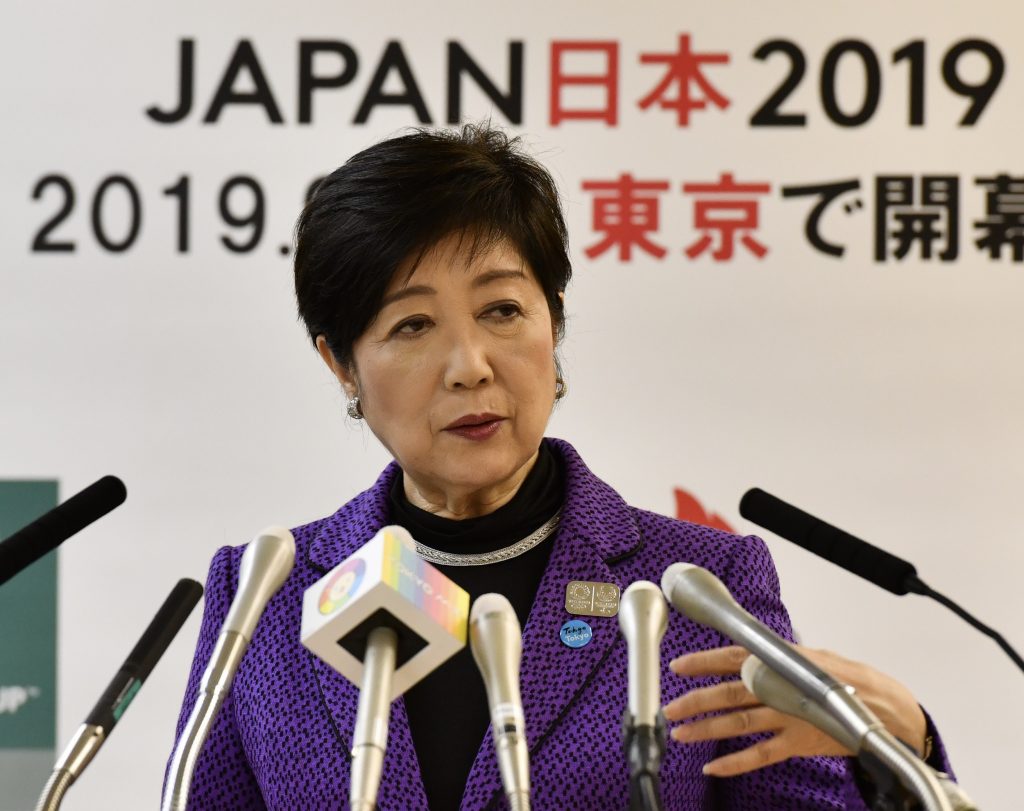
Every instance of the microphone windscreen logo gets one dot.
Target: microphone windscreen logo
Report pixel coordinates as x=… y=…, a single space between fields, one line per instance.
x=385 y=583
x=342 y=585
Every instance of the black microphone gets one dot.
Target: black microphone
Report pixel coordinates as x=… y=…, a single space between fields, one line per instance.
x=881 y=568
x=856 y=556
x=120 y=692
x=49 y=531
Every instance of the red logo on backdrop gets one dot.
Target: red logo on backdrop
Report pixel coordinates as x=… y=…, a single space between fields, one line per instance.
x=689 y=509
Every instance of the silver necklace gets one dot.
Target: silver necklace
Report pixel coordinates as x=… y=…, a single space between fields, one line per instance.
x=498 y=555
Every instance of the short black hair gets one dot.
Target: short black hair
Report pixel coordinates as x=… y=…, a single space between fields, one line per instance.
x=397 y=199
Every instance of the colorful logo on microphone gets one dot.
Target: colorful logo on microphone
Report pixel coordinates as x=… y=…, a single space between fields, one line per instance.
x=342 y=585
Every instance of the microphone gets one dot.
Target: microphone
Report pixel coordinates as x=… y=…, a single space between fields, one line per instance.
x=383 y=618
x=851 y=553
x=881 y=568
x=265 y=565
x=496 y=641
x=775 y=692
x=702 y=597
x=49 y=531
x=122 y=689
x=643 y=619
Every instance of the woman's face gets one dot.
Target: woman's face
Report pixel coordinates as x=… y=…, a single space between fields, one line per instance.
x=456 y=375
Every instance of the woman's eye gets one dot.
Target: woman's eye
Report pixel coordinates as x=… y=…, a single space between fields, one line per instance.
x=505 y=311
x=412 y=326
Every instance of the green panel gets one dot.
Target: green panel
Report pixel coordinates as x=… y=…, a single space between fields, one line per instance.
x=28 y=629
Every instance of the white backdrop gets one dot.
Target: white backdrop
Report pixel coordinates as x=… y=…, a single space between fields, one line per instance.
x=885 y=397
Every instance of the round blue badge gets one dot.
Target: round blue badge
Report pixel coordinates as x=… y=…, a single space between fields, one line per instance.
x=576 y=633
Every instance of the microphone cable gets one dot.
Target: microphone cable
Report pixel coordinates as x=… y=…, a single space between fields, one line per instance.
x=856 y=556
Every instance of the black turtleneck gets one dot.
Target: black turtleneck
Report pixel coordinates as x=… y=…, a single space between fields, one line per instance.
x=448 y=714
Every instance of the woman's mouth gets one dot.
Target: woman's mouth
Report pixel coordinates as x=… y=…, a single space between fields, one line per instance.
x=475 y=426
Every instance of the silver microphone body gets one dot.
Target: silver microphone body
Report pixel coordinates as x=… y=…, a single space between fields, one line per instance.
x=643 y=619
x=370 y=737
x=702 y=597
x=266 y=563
x=384 y=619
x=496 y=641
x=774 y=691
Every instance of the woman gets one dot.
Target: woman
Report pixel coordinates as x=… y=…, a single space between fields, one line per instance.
x=430 y=273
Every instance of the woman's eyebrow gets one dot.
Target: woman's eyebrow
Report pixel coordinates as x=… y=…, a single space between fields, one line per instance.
x=484 y=278
x=497 y=274
x=406 y=292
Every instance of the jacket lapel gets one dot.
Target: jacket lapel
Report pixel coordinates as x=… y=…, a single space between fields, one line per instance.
x=596 y=530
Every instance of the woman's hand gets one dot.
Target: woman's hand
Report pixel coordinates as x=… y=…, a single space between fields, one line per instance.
x=742 y=714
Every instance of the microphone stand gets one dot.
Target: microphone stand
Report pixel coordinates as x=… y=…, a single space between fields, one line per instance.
x=370 y=738
x=844 y=718
x=120 y=692
x=891 y=795
x=214 y=688
x=78 y=754
x=644 y=746
x=265 y=565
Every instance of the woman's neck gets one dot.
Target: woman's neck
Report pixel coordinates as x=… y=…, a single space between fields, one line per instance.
x=457 y=504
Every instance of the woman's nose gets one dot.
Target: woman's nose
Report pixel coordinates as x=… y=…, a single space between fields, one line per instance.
x=468 y=364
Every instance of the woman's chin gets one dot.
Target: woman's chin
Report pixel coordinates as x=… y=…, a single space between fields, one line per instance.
x=474 y=467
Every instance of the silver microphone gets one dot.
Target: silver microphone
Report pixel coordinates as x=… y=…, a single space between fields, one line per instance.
x=702 y=597
x=384 y=619
x=496 y=641
x=370 y=736
x=774 y=691
x=265 y=565
x=643 y=619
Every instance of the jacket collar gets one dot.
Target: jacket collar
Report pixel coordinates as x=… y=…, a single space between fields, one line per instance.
x=596 y=531
x=343 y=533
x=593 y=512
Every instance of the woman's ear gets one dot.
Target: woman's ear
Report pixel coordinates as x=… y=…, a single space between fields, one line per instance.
x=557 y=328
x=339 y=370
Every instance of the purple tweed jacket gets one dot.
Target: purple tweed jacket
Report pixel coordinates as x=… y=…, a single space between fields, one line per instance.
x=281 y=739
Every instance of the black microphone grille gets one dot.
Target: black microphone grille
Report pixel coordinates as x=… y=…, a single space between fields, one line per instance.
x=50 y=530
x=81 y=509
x=164 y=627
x=859 y=557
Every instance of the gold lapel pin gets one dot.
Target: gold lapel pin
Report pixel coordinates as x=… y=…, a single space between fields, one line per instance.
x=591 y=599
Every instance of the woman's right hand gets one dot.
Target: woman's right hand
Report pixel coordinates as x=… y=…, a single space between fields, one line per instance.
x=736 y=711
